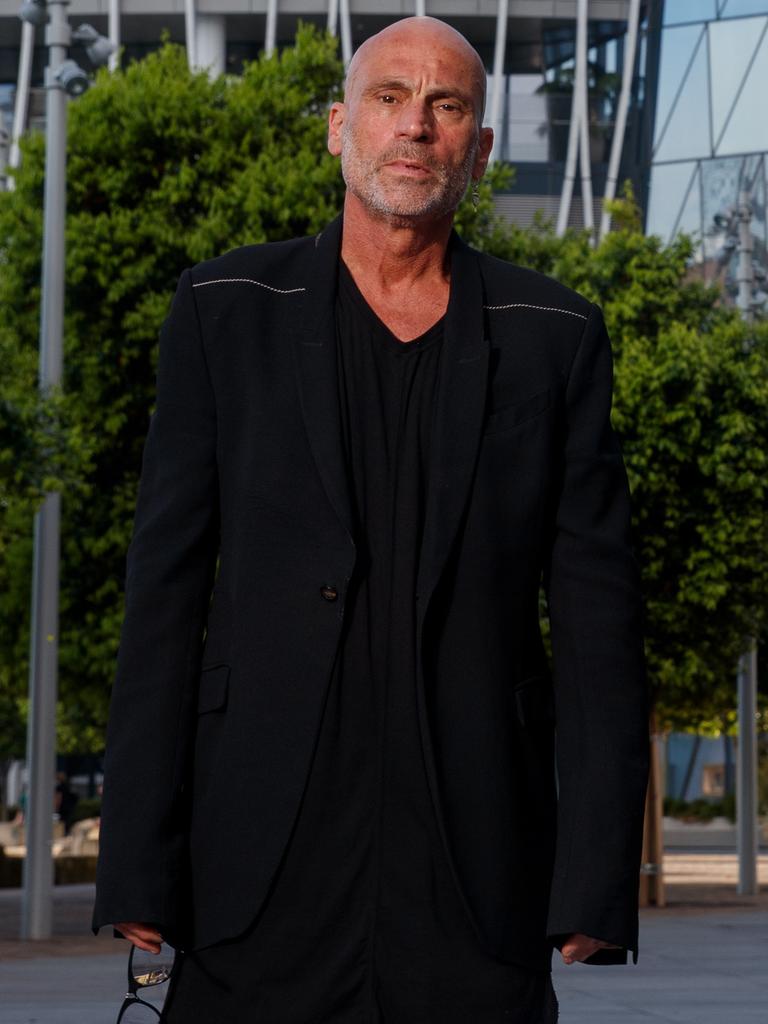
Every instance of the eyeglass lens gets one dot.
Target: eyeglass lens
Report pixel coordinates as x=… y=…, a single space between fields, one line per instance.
x=139 y=1013
x=152 y=968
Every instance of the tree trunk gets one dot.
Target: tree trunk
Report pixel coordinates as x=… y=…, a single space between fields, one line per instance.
x=652 y=868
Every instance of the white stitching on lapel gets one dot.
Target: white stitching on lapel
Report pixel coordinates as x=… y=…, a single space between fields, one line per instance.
x=248 y=280
x=528 y=305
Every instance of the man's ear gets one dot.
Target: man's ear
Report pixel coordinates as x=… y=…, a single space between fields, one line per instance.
x=335 y=121
x=484 y=147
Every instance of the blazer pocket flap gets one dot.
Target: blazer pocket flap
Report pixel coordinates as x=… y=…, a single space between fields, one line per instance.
x=214 y=685
x=509 y=414
x=535 y=701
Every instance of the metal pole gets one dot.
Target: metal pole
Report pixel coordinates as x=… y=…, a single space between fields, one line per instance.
x=421 y=8
x=346 y=32
x=746 y=787
x=5 y=142
x=585 y=159
x=190 y=33
x=37 y=898
x=114 y=33
x=270 y=33
x=746 y=790
x=746 y=275
x=22 y=95
x=499 y=53
x=620 y=127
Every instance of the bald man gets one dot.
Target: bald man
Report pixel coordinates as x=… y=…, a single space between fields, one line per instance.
x=341 y=777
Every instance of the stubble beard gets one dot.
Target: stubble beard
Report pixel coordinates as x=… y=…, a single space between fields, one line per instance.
x=404 y=200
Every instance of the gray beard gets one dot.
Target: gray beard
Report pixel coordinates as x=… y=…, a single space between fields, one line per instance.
x=411 y=200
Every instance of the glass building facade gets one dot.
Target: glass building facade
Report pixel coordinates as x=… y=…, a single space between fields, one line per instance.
x=710 y=137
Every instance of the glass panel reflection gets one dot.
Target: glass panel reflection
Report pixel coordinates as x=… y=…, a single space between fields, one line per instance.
x=526 y=120
x=733 y=8
x=687 y=132
x=669 y=185
x=726 y=39
x=747 y=129
x=689 y=217
x=676 y=11
x=677 y=47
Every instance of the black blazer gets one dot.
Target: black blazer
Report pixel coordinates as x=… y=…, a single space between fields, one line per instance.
x=221 y=676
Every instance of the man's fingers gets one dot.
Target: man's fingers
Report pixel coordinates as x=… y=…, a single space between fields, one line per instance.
x=142 y=935
x=580 y=947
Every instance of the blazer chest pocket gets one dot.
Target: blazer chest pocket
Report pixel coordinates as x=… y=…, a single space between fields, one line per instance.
x=535 y=701
x=509 y=414
x=213 y=689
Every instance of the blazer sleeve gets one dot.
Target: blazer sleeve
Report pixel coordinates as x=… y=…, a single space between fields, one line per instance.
x=170 y=565
x=601 y=703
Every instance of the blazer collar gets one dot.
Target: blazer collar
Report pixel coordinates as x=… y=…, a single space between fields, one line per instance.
x=460 y=398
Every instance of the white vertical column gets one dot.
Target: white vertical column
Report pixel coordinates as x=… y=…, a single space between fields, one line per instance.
x=21 y=105
x=211 y=43
x=577 y=134
x=270 y=33
x=497 y=91
x=617 y=144
x=333 y=16
x=190 y=32
x=582 y=30
x=421 y=8
x=114 y=33
x=346 y=32
x=571 y=157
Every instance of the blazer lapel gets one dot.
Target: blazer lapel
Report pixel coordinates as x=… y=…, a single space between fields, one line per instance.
x=460 y=399
x=461 y=396
x=457 y=425
x=314 y=345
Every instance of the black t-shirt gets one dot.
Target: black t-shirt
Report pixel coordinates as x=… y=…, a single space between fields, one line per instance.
x=364 y=923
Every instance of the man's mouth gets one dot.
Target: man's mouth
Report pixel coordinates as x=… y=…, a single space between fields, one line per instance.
x=410 y=168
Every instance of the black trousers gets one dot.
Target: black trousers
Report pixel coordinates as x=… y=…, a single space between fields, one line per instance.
x=221 y=985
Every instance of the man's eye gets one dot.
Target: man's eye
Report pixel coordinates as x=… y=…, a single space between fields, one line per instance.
x=450 y=107
x=387 y=97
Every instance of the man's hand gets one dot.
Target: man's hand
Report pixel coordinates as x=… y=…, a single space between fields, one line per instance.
x=579 y=947
x=145 y=936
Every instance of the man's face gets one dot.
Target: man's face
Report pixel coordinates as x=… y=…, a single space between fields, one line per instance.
x=408 y=130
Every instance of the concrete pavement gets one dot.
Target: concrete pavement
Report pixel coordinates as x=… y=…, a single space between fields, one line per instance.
x=702 y=960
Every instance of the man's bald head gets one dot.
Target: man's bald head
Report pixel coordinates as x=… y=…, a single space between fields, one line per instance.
x=428 y=33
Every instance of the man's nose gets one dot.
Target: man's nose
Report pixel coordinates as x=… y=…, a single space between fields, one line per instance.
x=415 y=122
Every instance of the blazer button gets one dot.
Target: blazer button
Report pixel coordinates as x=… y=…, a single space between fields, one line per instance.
x=329 y=593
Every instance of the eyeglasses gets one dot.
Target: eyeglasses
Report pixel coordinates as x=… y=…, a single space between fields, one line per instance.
x=145 y=970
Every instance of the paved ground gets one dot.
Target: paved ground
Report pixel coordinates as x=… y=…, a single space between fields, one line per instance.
x=702 y=960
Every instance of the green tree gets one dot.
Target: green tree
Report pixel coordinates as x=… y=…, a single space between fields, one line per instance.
x=166 y=168
x=691 y=409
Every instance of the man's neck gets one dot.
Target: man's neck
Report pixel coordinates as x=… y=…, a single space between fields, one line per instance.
x=401 y=269
x=392 y=254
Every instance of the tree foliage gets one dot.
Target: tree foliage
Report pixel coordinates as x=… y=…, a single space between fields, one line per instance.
x=166 y=168
x=691 y=408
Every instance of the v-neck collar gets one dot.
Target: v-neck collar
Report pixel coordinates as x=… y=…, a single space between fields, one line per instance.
x=432 y=334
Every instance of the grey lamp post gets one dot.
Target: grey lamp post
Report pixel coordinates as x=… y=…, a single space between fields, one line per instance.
x=736 y=225
x=63 y=78
x=746 y=788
